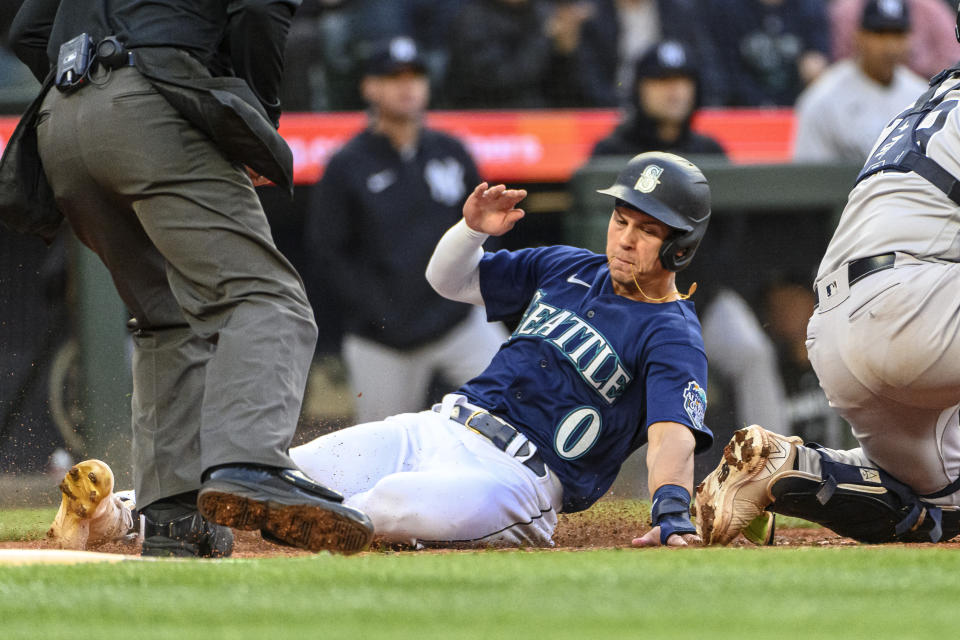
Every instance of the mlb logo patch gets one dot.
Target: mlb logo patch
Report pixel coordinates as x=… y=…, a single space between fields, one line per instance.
x=695 y=403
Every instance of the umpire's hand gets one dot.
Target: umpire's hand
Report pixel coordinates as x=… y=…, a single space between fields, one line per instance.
x=257 y=179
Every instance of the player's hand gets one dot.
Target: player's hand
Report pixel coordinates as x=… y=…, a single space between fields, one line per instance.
x=257 y=179
x=652 y=539
x=492 y=210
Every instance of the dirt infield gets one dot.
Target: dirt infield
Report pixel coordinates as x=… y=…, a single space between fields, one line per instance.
x=571 y=535
x=610 y=527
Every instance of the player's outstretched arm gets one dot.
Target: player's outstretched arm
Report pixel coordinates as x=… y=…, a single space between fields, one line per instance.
x=492 y=210
x=670 y=478
x=453 y=267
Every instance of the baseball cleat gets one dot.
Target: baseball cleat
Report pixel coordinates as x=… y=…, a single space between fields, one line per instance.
x=738 y=490
x=176 y=528
x=90 y=514
x=286 y=506
x=761 y=529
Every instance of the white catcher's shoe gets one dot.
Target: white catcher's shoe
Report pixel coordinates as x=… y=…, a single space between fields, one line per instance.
x=90 y=513
x=738 y=490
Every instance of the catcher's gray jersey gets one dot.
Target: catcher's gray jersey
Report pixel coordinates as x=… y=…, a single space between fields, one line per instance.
x=896 y=211
x=885 y=337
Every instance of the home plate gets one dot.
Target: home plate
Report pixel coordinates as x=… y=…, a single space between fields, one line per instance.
x=13 y=557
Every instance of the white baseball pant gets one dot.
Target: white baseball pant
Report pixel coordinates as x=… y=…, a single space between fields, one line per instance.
x=427 y=480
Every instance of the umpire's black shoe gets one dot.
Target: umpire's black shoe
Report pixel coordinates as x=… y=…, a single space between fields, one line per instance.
x=177 y=529
x=288 y=507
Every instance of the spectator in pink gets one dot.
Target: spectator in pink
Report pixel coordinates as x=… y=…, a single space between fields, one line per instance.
x=932 y=44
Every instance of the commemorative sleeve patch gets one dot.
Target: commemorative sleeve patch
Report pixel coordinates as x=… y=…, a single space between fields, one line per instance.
x=695 y=403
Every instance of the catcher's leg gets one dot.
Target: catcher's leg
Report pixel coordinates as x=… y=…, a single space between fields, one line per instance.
x=764 y=471
x=736 y=491
x=90 y=513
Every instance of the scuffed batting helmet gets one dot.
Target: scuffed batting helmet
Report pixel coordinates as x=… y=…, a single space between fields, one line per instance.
x=675 y=192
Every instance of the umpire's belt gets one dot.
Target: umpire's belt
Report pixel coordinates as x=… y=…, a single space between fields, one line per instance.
x=859 y=269
x=501 y=434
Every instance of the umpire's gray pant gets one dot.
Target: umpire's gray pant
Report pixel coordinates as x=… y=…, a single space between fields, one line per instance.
x=227 y=334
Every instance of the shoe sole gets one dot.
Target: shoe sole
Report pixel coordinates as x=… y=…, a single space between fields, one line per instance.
x=744 y=458
x=330 y=527
x=762 y=530
x=168 y=549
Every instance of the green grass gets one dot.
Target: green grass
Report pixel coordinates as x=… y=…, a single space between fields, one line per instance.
x=836 y=592
x=25 y=524
x=839 y=592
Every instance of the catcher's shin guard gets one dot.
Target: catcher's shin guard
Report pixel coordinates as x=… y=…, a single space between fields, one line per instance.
x=862 y=503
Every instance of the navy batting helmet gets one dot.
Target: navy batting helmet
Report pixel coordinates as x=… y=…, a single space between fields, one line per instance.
x=675 y=192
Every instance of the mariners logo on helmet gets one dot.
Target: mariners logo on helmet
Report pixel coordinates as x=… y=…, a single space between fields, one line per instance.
x=649 y=179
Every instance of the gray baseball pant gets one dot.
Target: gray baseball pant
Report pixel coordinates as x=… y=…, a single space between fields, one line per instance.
x=887 y=354
x=226 y=333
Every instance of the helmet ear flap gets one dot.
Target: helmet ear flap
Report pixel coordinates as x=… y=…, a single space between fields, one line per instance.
x=676 y=252
x=668 y=254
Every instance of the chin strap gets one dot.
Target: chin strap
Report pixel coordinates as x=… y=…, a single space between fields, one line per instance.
x=680 y=296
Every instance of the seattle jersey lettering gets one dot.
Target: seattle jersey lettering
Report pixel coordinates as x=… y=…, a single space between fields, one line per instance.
x=583 y=346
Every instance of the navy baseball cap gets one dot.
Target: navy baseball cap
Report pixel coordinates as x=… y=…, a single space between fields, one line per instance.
x=664 y=60
x=885 y=15
x=394 y=56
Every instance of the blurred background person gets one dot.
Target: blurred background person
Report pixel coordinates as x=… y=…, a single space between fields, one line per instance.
x=839 y=116
x=583 y=34
x=325 y=47
x=932 y=45
x=373 y=221
x=427 y=22
x=770 y=49
x=532 y=54
x=786 y=304
x=643 y=23
x=18 y=87
x=665 y=96
x=34 y=313
x=499 y=55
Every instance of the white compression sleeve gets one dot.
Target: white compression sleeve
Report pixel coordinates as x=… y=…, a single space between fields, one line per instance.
x=453 y=269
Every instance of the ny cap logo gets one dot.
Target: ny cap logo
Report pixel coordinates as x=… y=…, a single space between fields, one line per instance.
x=649 y=179
x=891 y=8
x=403 y=49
